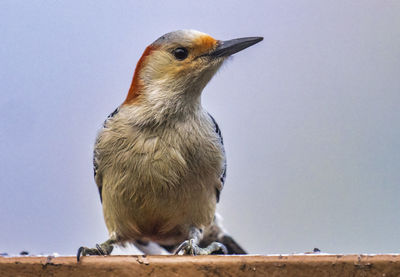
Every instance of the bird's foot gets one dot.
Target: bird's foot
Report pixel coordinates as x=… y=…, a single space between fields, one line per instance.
x=101 y=250
x=189 y=247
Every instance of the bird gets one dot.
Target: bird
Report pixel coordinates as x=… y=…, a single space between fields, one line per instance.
x=159 y=159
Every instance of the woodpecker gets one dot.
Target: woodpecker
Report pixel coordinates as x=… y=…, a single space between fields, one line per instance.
x=159 y=160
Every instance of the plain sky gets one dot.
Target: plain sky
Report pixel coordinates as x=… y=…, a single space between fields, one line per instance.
x=310 y=117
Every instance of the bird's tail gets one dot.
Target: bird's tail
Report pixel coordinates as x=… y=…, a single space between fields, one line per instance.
x=232 y=246
x=214 y=233
x=217 y=233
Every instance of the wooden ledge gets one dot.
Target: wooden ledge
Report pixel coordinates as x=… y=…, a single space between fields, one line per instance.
x=246 y=265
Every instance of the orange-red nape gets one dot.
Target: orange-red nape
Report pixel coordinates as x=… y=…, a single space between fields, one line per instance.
x=134 y=90
x=202 y=44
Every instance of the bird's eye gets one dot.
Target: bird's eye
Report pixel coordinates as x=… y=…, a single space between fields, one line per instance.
x=180 y=53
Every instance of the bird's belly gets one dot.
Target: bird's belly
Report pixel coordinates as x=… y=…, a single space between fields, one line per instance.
x=160 y=194
x=159 y=216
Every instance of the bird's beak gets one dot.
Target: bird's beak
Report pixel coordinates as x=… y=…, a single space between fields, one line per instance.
x=229 y=47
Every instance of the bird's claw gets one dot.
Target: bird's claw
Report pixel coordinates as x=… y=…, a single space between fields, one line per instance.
x=100 y=250
x=189 y=247
x=84 y=251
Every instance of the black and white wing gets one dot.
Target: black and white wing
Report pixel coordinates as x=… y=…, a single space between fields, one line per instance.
x=223 y=173
x=97 y=176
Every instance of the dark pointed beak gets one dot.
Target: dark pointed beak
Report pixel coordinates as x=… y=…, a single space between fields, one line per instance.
x=229 y=47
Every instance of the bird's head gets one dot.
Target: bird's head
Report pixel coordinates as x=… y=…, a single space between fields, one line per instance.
x=176 y=67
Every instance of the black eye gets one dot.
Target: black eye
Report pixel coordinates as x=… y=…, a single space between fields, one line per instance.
x=180 y=53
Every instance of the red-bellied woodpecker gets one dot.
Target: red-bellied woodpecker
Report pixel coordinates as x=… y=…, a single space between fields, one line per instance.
x=159 y=160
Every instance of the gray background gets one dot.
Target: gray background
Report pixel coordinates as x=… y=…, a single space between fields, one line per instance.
x=310 y=118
